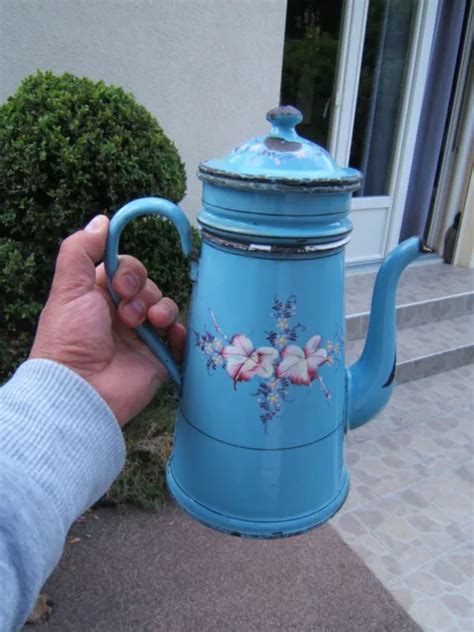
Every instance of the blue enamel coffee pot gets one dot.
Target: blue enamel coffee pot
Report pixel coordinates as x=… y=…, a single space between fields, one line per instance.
x=265 y=398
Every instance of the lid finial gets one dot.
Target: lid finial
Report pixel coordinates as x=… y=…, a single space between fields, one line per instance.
x=284 y=119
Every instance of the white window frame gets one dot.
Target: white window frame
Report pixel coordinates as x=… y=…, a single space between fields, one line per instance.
x=378 y=219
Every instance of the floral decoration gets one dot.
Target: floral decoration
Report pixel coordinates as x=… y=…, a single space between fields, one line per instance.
x=275 y=366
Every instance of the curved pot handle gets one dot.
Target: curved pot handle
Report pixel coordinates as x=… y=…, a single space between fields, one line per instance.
x=147 y=206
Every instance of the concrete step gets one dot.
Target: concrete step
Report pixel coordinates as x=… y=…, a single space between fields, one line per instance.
x=435 y=318
x=426 y=294
x=415 y=314
x=428 y=349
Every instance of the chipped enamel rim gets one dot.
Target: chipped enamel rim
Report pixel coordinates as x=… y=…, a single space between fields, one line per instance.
x=275 y=183
x=275 y=248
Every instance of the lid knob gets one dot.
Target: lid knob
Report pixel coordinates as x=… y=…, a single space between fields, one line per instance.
x=284 y=119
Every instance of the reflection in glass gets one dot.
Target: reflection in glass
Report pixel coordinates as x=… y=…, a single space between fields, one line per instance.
x=309 y=63
x=384 y=62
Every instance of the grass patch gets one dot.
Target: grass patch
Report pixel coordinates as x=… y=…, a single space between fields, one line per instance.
x=149 y=439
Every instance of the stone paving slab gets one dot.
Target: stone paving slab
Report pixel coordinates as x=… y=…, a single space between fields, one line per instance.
x=146 y=572
x=409 y=514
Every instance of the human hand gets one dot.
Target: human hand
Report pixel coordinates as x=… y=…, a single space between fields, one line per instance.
x=81 y=328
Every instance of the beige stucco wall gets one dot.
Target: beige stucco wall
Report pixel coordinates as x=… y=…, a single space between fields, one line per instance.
x=207 y=69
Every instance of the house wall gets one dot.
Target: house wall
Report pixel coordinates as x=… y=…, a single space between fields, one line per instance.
x=207 y=69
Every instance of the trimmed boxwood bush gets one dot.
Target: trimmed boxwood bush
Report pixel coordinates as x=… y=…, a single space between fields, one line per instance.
x=72 y=148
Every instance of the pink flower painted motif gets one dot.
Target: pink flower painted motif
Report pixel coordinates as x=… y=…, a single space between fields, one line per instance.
x=243 y=362
x=300 y=365
x=276 y=367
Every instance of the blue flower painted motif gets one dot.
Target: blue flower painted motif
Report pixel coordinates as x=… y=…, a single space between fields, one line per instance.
x=278 y=365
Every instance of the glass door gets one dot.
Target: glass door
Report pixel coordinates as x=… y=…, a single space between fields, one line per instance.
x=313 y=29
x=357 y=71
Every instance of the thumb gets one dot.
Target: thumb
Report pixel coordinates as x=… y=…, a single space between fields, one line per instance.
x=75 y=266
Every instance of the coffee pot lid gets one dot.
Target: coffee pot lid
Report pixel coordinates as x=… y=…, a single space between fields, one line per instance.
x=281 y=160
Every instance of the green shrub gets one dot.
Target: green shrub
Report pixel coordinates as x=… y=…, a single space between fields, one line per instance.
x=72 y=148
x=149 y=441
x=17 y=309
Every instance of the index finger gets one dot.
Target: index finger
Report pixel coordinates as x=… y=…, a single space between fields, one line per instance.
x=129 y=279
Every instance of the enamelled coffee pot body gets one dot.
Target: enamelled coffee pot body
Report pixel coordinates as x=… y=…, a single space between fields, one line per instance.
x=264 y=395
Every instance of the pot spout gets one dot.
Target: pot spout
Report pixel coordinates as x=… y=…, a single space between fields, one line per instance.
x=369 y=382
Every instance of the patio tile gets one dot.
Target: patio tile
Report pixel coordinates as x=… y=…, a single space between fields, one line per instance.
x=434 y=615
x=439 y=581
x=410 y=511
x=463 y=558
x=359 y=494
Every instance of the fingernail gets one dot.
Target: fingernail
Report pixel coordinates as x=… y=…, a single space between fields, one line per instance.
x=96 y=224
x=135 y=308
x=130 y=282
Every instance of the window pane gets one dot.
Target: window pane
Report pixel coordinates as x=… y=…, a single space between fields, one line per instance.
x=309 y=63
x=384 y=62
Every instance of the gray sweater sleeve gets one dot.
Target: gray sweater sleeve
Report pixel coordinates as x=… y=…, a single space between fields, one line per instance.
x=60 y=450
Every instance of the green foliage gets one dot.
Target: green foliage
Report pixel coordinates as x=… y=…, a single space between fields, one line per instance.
x=17 y=309
x=149 y=441
x=72 y=148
